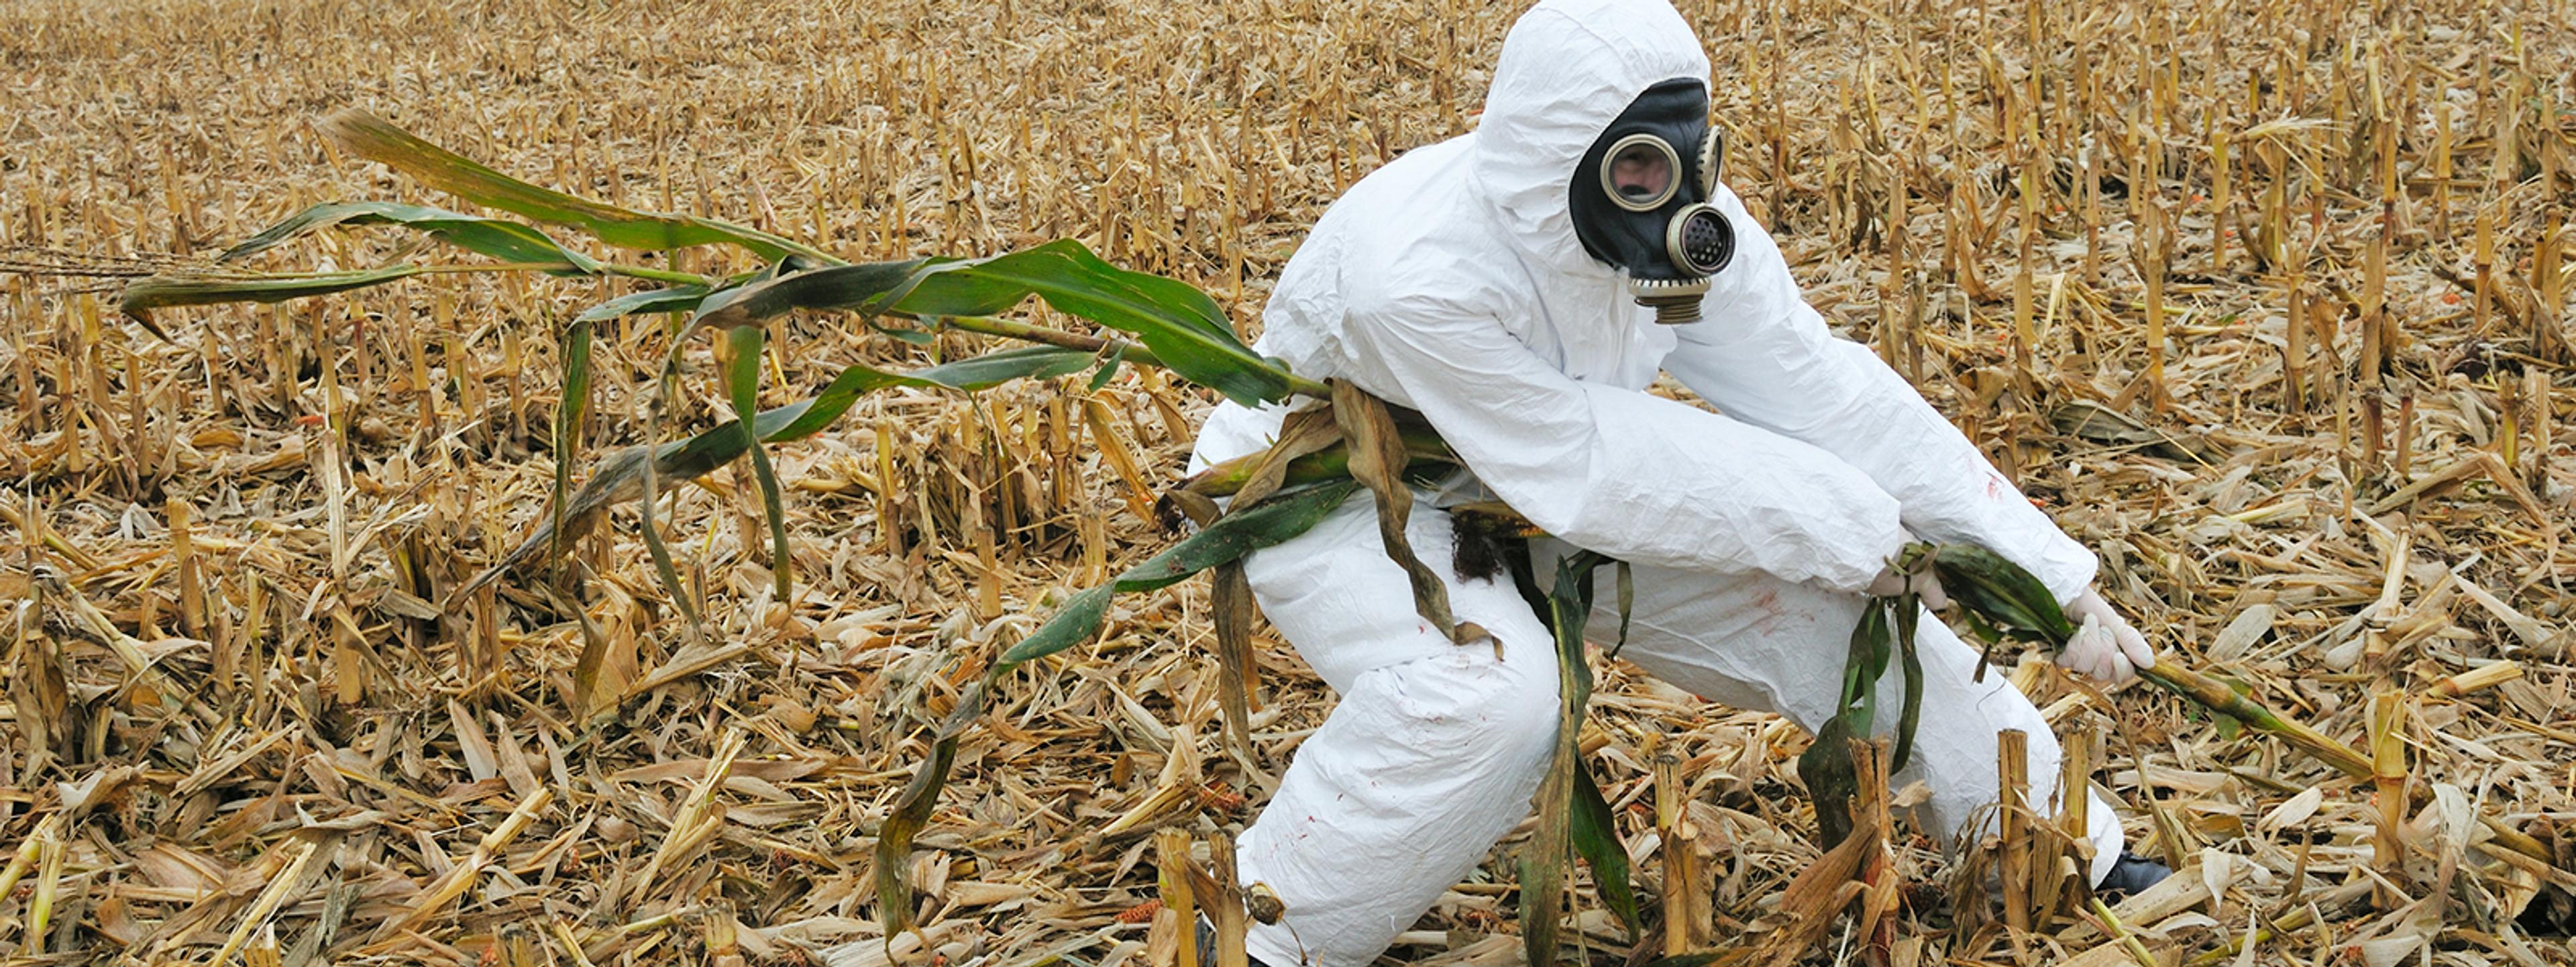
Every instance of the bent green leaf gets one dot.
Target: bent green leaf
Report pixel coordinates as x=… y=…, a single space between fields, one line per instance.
x=1182 y=327
x=1595 y=832
x=168 y=291
x=867 y=288
x=1377 y=462
x=742 y=384
x=678 y=298
x=372 y=138
x=505 y=240
x=1283 y=516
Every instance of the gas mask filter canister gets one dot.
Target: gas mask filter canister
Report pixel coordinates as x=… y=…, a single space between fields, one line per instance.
x=1642 y=205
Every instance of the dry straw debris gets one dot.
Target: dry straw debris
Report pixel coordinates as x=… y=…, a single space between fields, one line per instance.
x=2265 y=300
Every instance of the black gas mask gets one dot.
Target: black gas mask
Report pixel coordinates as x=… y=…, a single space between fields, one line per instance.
x=1641 y=199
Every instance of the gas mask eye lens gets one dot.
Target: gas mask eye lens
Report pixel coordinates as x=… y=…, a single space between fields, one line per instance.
x=1640 y=173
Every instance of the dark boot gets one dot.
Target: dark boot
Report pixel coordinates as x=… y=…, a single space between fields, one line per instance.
x=1207 y=947
x=2130 y=874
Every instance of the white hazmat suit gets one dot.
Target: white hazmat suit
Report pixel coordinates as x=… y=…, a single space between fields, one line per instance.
x=1451 y=281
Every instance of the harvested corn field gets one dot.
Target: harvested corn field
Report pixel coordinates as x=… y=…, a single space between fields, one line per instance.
x=2263 y=302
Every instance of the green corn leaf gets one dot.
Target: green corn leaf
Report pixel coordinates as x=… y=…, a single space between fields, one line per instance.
x=678 y=298
x=568 y=419
x=1108 y=368
x=1832 y=780
x=867 y=288
x=1627 y=605
x=623 y=476
x=505 y=240
x=1283 y=516
x=168 y=291
x=742 y=381
x=1863 y=666
x=912 y=809
x=1216 y=545
x=1909 y=616
x=1073 y=623
x=370 y=137
x=907 y=336
x=1181 y=326
x=2000 y=594
x=807 y=416
x=569 y=415
x=1286 y=514
x=1542 y=862
x=663 y=566
x=1595 y=833
x=810 y=415
x=1997 y=598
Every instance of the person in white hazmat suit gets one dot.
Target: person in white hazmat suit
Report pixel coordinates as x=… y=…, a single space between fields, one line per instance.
x=1496 y=282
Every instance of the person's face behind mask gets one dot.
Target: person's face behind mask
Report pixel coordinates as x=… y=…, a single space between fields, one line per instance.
x=1641 y=199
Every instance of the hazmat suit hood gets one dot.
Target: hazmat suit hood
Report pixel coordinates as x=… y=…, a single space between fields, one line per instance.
x=1568 y=68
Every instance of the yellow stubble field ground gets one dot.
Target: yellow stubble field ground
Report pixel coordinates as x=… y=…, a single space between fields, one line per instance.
x=2262 y=300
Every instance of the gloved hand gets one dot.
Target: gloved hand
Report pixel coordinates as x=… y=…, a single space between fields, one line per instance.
x=1892 y=582
x=2105 y=646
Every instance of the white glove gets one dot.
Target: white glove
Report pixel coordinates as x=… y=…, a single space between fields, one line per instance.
x=1892 y=582
x=2104 y=646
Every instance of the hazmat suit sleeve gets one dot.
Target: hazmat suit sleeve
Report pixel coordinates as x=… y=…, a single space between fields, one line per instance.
x=1634 y=476
x=1762 y=355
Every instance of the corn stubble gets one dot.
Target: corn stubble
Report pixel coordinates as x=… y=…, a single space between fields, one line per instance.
x=2177 y=267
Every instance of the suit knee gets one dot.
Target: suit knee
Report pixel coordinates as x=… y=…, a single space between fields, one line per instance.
x=1470 y=701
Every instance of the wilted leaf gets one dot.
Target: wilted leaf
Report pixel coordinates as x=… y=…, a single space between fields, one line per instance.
x=1377 y=462
x=1826 y=767
x=2294 y=811
x=646 y=466
x=912 y=809
x=1230 y=597
x=1909 y=616
x=1301 y=433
